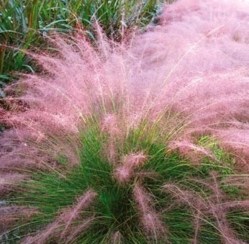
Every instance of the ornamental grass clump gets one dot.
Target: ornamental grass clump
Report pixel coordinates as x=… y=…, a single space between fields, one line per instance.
x=143 y=141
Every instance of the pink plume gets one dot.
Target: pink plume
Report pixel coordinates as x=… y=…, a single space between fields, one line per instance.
x=60 y=227
x=150 y=220
x=83 y=203
x=116 y=238
x=11 y=214
x=129 y=163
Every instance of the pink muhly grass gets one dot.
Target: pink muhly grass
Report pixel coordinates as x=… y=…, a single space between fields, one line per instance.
x=215 y=205
x=192 y=151
x=142 y=198
x=150 y=220
x=240 y=181
x=81 y=228
x=83 y=203
x=219 y=210
x=187 y=197
x=61 y=226
x=184 y=78
x=110 y=125
x=44 y=235
x=153 y=225
x=134 y=159
x=116 y=238
x=8 y=181
x=197 y=226
x=236 y=140
x=129 y=163
x=11 y=214
x=190 y=34
x=53 y=231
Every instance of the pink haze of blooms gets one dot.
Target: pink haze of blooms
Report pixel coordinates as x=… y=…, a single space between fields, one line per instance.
x=194 y=65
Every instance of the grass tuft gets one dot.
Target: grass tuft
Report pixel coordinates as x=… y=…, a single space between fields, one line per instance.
x=116 y=210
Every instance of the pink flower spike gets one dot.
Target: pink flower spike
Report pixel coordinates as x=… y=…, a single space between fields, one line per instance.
x=129 y=163
x=73 y=212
